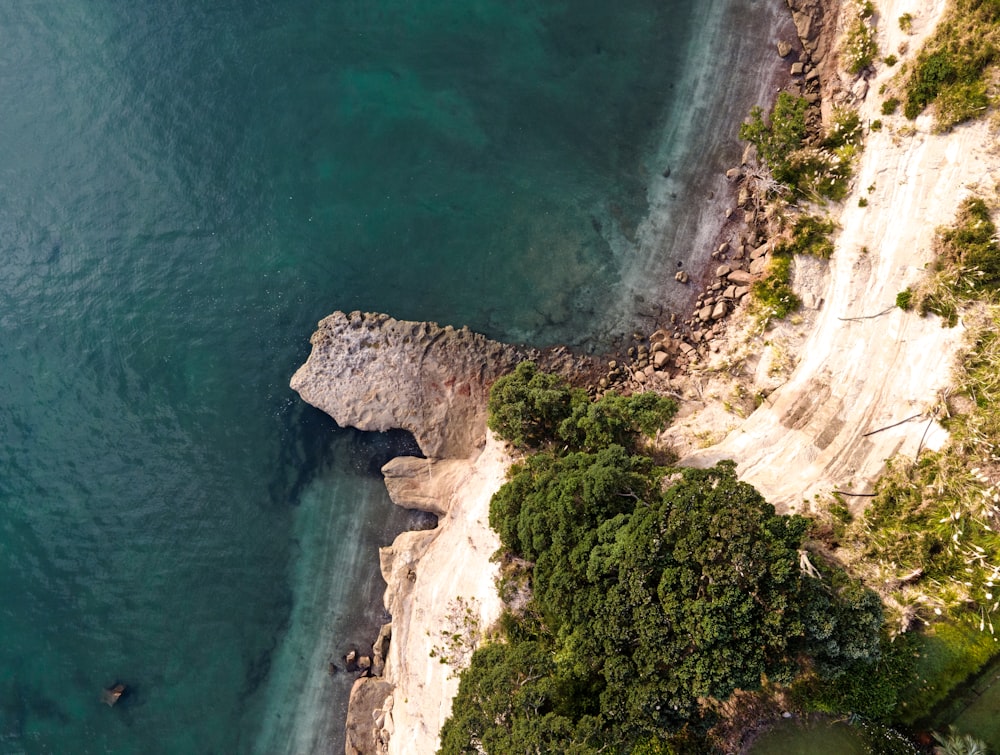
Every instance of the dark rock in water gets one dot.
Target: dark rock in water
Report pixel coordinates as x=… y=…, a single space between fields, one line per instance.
x=111 y=695
x=666 y=172
x=351 y=660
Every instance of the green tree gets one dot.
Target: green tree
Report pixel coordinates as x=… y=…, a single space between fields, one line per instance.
x=532 y=409
x=526 y=407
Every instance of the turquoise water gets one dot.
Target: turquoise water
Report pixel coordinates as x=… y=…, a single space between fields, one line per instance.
x=187 y=187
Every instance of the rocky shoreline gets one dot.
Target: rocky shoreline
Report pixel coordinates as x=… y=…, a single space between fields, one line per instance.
x=373 y=372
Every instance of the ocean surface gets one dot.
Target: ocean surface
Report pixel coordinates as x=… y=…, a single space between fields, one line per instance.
x=186 y=187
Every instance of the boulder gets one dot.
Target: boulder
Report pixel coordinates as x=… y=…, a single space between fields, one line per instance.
x=719 y=310
x=681 y=276
x=740 y=277
x=722 y=271
x=784 y=49
x=705 y=313
x=660 y=359
x=368 y=697
x=759 y=265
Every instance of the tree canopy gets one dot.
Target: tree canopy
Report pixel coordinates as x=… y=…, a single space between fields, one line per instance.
x=532 y=409
x=654 y=590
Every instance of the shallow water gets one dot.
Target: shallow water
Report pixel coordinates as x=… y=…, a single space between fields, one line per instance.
x=187 y=186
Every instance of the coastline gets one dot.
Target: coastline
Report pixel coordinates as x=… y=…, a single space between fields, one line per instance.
x=850 y=376
x=846 y=377
x=431 y=572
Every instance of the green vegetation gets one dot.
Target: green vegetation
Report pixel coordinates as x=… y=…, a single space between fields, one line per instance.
x=810 y=235
x=777 y=139
x=773 y=297
x=811 y=170
x=967 y=264
x=953 y=70
x=531 y=409
x=941 y=658
x=955 y=743
x=906 y=22
x=931 y=536
x=876 y=125
x=890 y=60
x=860 y=47
x=655 y=592
x=904 y=299
x=890 y=106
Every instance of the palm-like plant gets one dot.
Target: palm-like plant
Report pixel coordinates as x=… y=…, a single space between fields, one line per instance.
x=954 y=743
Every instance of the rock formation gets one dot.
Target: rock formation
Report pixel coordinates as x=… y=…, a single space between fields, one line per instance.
x=376 y=373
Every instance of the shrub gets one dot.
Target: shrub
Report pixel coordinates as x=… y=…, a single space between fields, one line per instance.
x=860 y=47
x=779 y=137
x=863 y=202
x=773 y=296
x=972 y=244
x=890 y=106
x=810 y=235
x=876 y=125
x=890 y=60
x=951 y=70
x=822 y=171
x=906 y=22
x=904 y=299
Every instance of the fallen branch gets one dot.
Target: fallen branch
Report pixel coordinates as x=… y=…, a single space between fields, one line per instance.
x=856 y=495
x=868 y=317
x=889 y=427
x=924 y=436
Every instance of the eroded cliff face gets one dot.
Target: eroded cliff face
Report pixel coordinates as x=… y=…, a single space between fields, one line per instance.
x=373 y=372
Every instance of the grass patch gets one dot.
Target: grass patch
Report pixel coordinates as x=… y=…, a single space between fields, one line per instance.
x=942 y=658
x=773 y=297
x=860 y=48
x=810 y=235
x=967 y=263
x=953 y=70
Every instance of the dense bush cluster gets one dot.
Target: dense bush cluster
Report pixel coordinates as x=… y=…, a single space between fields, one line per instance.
x=654 y=592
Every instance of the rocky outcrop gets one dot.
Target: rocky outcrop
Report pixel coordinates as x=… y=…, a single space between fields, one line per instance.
x=407 y=478
x=816 y=24
x=376 y=373
x=373 y=372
